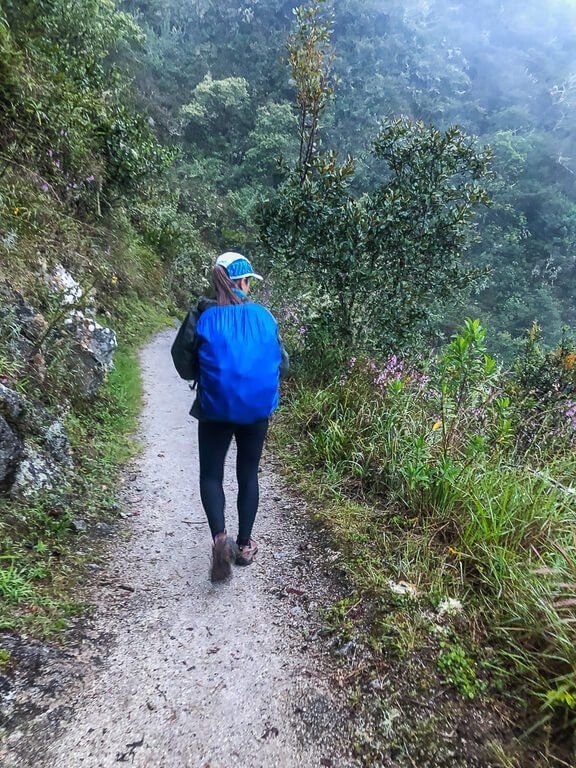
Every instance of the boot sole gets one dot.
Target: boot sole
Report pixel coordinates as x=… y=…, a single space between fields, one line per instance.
x=223 y=556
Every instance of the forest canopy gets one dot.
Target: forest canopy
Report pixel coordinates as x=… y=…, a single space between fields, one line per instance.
x=501 y=71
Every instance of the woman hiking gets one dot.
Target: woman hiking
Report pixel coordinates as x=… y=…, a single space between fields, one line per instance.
x=230 y=347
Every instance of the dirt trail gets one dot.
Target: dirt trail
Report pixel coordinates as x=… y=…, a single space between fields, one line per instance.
x=196 y=674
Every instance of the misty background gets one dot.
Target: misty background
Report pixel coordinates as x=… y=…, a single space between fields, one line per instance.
x=213 y=82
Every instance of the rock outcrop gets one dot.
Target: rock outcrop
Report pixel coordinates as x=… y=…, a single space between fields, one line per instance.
x=10 y=453
x=35 y=453
x=34 y=447
x=94 y=347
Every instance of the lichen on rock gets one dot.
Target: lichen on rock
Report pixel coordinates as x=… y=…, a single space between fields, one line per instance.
x=36 y=472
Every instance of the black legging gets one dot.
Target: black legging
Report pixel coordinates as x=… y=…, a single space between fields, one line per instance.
x=214 y=439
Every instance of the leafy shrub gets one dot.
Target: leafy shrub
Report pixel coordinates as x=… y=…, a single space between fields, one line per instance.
x=380 y=263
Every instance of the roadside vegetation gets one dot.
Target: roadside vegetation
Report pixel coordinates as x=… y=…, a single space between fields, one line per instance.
x=448 y=484
x=79 y=168
x=408 y=165
x=46 y=544
x=444 y=476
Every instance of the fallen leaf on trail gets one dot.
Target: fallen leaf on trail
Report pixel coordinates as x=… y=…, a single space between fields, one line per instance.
x=294 y=591
x=270 y=731
x=326 y=761
x=215 y=649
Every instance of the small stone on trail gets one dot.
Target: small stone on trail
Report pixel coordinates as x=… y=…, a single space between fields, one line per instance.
x=295 y=591
x=347 y=650
x=270 y=731
x=103 y=529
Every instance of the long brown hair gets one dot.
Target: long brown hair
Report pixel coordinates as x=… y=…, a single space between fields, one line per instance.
x=224 y=287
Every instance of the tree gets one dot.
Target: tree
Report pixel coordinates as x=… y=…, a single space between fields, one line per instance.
x=310 y=56
x=219 y=114
x=381 y=262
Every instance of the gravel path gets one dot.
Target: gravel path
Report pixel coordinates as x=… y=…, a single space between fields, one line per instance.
x=197 y=674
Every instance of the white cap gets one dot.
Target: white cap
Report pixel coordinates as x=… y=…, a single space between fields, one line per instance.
x=237 y=266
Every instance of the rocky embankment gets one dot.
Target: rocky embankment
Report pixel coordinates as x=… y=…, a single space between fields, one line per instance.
x=46 y=360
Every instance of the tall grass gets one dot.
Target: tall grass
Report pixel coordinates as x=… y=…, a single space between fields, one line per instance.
x=450 y=491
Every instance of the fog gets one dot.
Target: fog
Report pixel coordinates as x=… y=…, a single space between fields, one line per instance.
x=503 y=70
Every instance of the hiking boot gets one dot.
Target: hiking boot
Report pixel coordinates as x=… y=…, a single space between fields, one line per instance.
x=224 y=552
x=245 y=553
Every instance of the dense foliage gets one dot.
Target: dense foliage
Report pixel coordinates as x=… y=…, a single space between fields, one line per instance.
x=501 y=71
x=382 y=263
x=138 y=137
x=82 y=182
x=454 y=479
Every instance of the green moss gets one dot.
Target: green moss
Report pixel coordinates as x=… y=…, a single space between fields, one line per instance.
x=459 y=670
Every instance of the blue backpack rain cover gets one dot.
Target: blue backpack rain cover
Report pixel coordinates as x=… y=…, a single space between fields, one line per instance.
x=240 y=359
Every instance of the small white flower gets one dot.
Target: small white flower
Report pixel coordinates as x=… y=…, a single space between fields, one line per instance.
x=450 y=606
x=440 y=630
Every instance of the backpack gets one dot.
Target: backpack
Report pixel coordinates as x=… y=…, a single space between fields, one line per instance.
x=183 y=350
x=240 y=357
